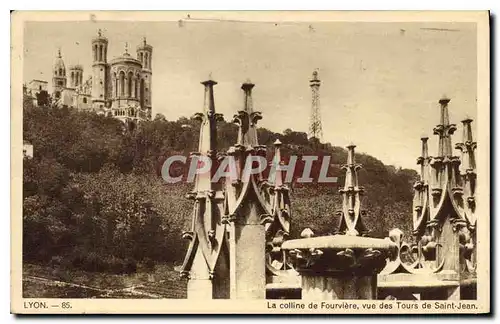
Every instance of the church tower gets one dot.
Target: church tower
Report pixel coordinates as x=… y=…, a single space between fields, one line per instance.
x=75 y=76
x=145 y=56
x=59 y=76
x=99 y=70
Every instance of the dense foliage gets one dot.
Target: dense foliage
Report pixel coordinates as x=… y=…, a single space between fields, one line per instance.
x=94 y=198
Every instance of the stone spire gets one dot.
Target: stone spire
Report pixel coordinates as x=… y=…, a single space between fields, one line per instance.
x=421 y=187
x=204 y=262
x=278 y=177
x=247 y=119
x=423 y=160
x=444 y=130
x=442 y=217
x=247 y=143
x=207 y=147
x=444 y=167
x=468 y=171
x=467 y=147
x=278 y=229
x=248 y=208
x=344 y=266
x=351 y=222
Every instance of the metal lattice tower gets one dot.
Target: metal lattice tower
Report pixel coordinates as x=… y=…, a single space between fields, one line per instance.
x=315 y=128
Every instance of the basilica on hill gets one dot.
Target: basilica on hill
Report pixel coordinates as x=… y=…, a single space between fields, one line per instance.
x=120 y=88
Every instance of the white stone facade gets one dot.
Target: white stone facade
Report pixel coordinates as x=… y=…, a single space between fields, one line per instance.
x=120 y=88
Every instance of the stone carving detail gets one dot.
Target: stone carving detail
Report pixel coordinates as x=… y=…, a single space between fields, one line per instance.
x=467 y=246
x=450 y=178
x=445 y=193
x=411 y=258
x=351 y=222
x=348 y=253
x=278 y=229
x=207 y=230
x=271 y=195
x=468 y=174
x=246 y=147
x=307 y=257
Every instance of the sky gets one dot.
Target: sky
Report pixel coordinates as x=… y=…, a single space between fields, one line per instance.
x=381 y=82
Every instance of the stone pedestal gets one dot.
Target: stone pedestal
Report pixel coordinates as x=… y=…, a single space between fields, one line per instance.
x=247 y=243
x=200 y=289
x=250 y=276
x=339 y=266
x=326 y=287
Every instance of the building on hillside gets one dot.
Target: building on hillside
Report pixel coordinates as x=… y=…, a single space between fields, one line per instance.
x=120 y=88
x=38 y=91
x=37 y=86
x=27 y=150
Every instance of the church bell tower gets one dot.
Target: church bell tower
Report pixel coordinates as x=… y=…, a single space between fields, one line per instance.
x=99 y=69
x=58 y=76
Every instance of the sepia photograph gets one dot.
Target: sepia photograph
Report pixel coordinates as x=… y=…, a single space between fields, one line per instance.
x=281 y=162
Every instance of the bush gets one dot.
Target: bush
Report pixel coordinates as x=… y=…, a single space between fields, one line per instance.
x=56 y=261
x=130 y=266
x=149 y=264
x=98 y=262
x=114 y=265
x=93 y=263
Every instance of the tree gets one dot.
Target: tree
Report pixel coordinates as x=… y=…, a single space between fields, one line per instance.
x=160 y=117
x=43 y=98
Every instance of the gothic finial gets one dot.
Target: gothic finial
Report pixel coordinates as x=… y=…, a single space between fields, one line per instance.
x=247 y=118
x=209 y=81
x=423 y=159
x=425 y=150
x=207 y=142
x=247 y=86
x=351 y=174
x=277 y=160
x=209 y=94
x=99 y=32
x=444 y=130
x=126 y=47
x=351 y=222
x=144 y=40
x=467 y=146
x=208 y=234
x=445 y=119
x=467 y=133
x=444 y=99
x=306 y=233
x=350 y=153
x=468 y=171
x=59 y=52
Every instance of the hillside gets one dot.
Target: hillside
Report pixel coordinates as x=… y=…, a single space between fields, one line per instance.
x=94 y=199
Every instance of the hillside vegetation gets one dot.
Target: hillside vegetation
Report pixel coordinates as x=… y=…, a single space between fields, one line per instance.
x=94 y=198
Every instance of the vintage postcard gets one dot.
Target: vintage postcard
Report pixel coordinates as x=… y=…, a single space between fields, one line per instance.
x=250 y=162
